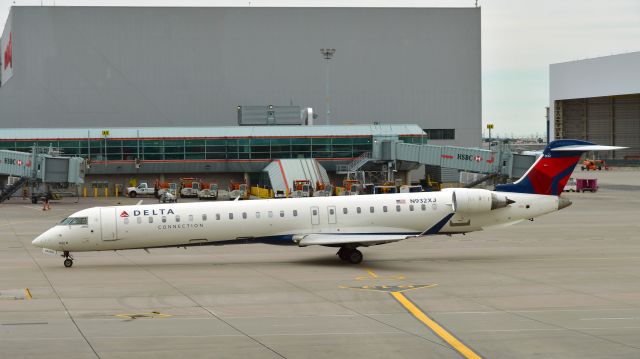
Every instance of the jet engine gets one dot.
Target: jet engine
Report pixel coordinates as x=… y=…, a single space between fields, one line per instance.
x=474 y=200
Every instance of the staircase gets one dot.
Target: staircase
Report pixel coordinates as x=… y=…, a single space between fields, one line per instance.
x=355 y=164
x=8 y=191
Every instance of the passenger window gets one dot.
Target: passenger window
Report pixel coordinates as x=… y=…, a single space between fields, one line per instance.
x=315 y=212
x=191 y=218
x=244 y=215
x=217 y=216
x=384 y=209
x=423 y=207
x=150 y=219
x=331 y=211
x=139 y=220
x=295 y=213
x=270 y=214
x=204 y=217
x=257 y=214
x=371 y=209
x=281 y=213
x=177 y=218
x=359 y=210
x=344 y=210
x=126 y=221
x=411 y=207
x=398 y=208
x=164 y=219
x=230 y=215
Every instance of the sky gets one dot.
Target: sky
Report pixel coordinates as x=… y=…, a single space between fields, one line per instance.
x=520 y=39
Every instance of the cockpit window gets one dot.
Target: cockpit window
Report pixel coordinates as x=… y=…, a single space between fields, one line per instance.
x=71 y=221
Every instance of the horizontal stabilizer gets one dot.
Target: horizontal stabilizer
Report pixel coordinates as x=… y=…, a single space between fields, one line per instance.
x=582 y=148
x=364 y=240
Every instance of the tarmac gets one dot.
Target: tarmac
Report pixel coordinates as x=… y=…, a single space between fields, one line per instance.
x=564 y=286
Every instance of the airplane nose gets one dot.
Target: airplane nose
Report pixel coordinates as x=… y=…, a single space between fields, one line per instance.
x=39 y=241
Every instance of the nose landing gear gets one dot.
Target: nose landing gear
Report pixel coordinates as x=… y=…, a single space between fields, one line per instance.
x=68 y=261
x=350 y=255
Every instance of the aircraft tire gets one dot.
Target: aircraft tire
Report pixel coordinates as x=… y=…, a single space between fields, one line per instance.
x=68 y=262
x=355 y=257
x=343 y=254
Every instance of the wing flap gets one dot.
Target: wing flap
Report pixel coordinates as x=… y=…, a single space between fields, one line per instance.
x=365 y=240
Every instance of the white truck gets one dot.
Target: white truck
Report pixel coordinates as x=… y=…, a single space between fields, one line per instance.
x=143 y=189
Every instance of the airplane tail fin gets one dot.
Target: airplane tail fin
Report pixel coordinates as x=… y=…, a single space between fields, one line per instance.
x=550 y=173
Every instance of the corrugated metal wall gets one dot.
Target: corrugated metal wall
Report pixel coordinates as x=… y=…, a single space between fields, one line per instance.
x=611 y=120
x=115 y=66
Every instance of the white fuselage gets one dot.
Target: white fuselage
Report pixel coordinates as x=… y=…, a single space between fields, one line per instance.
x=278 y=220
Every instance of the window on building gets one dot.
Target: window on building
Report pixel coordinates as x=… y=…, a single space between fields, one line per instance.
x=440 y=134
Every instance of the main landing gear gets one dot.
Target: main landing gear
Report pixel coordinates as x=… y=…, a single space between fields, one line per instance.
x=68 y=260
x=350 y=255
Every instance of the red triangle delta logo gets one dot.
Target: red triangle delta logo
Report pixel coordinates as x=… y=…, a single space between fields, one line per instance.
x=124 y=214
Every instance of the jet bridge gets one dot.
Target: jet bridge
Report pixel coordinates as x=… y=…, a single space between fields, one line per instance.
x=38 y=169
x=500 y=161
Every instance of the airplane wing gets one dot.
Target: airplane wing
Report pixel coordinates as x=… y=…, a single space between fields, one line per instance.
x=337 y=240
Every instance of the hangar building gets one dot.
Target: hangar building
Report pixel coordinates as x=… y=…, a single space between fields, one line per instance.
x=598 y=100
x=111 y=67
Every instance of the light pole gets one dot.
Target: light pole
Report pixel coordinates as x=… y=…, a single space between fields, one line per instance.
x=490 y=127
x=327 y=54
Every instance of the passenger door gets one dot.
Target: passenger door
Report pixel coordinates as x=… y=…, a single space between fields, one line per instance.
x=108 y=225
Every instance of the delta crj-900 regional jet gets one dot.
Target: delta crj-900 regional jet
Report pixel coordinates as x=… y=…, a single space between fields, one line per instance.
x=345 y=222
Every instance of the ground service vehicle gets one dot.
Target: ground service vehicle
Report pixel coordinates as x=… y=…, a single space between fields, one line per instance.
x=301 y=188
x=189 y=187
x=238 y=190
x=592 y=165
x=208 y=191
x=142 y=189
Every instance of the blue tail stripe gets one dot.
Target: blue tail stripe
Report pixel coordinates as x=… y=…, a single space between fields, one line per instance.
x=438 y=226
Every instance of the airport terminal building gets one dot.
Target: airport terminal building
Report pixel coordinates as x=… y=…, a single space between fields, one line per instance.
x=598 y=100
x=161 y=90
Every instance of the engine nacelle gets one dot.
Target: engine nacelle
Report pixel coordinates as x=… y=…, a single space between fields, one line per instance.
x=474 y=200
